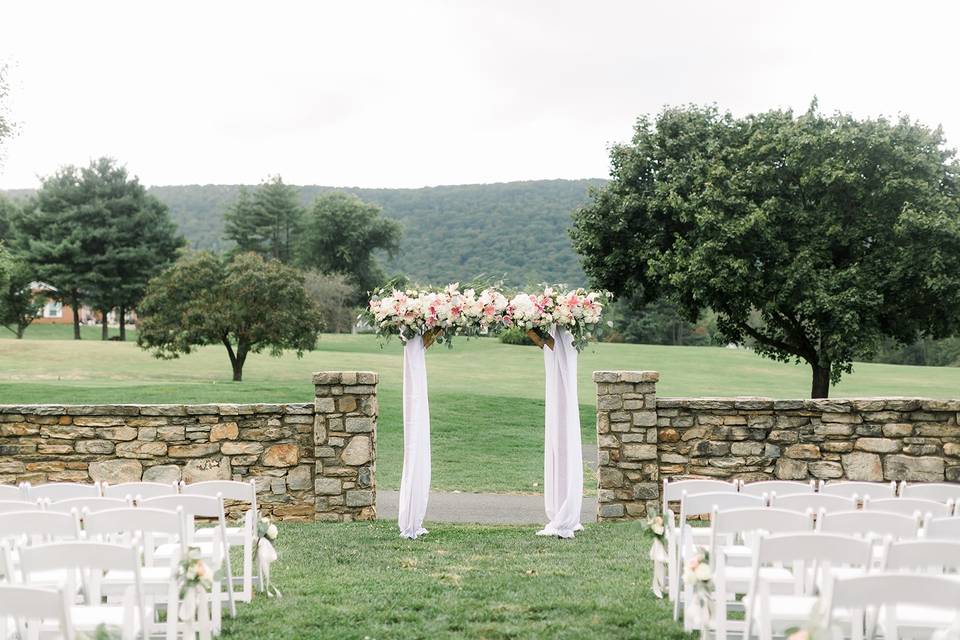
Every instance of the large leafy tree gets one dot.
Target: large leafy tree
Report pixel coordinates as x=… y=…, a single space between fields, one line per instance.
x=97 y=236
x=342 y=234
x=266 y=221
x=813 y=237
x=18 y=307
x=247 y=304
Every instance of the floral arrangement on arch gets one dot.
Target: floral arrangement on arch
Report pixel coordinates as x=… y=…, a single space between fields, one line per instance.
x=440 y=315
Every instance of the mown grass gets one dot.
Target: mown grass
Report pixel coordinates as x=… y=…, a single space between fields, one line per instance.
x=486 y=398
x=361 y=580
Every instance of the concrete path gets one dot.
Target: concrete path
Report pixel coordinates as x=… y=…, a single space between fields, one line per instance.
x=482 y=508
x=488 y=508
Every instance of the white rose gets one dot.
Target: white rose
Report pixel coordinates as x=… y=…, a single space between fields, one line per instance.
x=703 y=573
x=272 y=532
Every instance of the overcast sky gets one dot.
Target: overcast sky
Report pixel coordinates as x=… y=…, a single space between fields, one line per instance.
x=409 y=94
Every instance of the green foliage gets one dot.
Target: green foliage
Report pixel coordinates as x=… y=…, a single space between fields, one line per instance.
x=267 y=221
x=340 y=235
x=96 y=235
x=333 y=297
x=247 y=304
x=923 y=352
x=516 y=336
x=8 y=210
x=18 y=308
x=7 y=126
x=834 y=232
x=516 y=231
x=658 y=322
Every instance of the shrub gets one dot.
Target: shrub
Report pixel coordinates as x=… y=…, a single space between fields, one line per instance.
x=513 y=335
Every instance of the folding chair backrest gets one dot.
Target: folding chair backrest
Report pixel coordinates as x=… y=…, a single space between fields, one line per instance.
x=45 y=525
x=939 y=491
x=699 y=504
x=11 y=492
x=90 y=505
x=876 y=590
x=757 y=520
x=812 y=502
x=673 y=490
x=780 y=487
x=913 y=555
x=877 y=524
x=850 y=488
x=134 y=520
x=29 y=606
x=911 y=506
x=942 y=529
x=138 y=490
x=18 y=505
x=229 y=489
x=192 y=505
x=56 y=491
x=814 y=547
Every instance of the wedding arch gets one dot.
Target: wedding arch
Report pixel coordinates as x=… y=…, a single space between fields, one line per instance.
x=559 y=322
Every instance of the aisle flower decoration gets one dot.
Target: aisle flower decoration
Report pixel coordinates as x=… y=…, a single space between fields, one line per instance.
x=195 y=579
x=266 y=554
x=656 y=525
x=698 y=575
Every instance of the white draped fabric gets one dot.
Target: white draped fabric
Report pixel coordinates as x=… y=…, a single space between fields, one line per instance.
x=415 y=481
x=562 y=453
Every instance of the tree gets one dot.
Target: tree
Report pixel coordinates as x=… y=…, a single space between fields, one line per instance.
x=333 y=296
x=833 y=232
x=96 y=235
x=7 y=126
x=8 y=209
x=267 y=221
x=247 y=304
x=18 y=308
x=342 y=233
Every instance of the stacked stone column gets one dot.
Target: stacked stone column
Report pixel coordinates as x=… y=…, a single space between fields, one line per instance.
x=345 y=445
x=627 y=465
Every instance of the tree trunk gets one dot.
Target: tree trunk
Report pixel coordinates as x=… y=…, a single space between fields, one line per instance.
x=20 y=329
x=236 y=359
x=123 y=323
x=104 y=328
x=75 y=307
x=821 y=381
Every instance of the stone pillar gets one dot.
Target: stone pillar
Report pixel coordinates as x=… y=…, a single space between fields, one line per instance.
x=627 y=464
x=345 y=445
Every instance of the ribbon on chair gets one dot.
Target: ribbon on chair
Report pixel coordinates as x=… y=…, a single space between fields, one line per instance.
x=195 y=600
x=658 y=555
x=266 y=556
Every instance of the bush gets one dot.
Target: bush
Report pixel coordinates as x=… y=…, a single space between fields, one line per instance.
x=333 y=294
x=513 y=335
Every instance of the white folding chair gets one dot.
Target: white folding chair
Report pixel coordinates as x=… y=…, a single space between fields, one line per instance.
x=139 y=490
x=939 y=491
x=813 y=556
x=902 y=602
x=91 y=505
x=39 y=526
x=688 y=538
x=942 y=529
x=11 y=492
x=213 y=548
x=851 y=488
x=780 y=487
x=874 y=525
x=813 y=502
x=911 y=507
x=56 y=491
x=922 y=555
x=18 y=505
x=244 y=535
x=733 y=536
x=92 y=560
x=151 y=528
x=32 y=609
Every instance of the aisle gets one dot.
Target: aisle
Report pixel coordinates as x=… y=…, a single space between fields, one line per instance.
x=481 y=508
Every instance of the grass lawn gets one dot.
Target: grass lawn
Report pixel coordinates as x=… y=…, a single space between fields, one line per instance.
x=361 y=580
x=486 y=398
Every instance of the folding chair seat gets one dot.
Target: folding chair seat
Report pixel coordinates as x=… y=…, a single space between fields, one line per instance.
x=24 y=528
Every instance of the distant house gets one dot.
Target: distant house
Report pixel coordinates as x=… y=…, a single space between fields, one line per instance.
x=53 y=311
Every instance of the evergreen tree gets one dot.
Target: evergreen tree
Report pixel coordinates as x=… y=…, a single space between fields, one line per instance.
x=267 y=221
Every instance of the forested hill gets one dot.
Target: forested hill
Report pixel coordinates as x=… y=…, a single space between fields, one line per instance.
x=514 y=230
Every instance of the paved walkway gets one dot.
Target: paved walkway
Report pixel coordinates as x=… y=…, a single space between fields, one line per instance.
x=487 y=508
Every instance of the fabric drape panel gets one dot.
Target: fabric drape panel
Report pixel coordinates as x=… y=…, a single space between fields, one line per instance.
x=562 y=451
x=415 y=481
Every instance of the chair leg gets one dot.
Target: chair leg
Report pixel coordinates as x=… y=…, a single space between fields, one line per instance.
x=247 y=571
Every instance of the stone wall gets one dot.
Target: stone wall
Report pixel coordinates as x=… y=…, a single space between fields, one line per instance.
x=308 y=460
x=875 y=439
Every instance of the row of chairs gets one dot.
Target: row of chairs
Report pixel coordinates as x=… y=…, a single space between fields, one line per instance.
x=73 y=544
x=785 y=507
x=64 y=496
